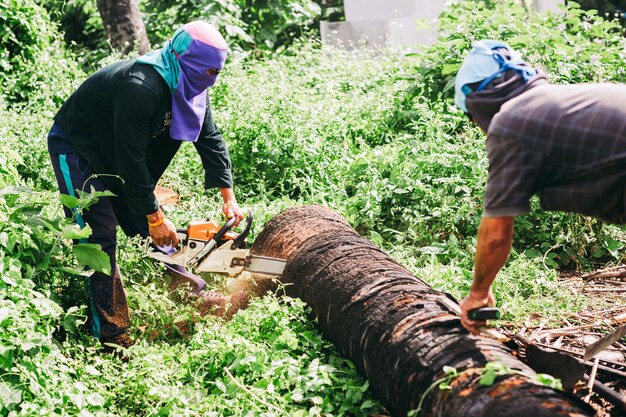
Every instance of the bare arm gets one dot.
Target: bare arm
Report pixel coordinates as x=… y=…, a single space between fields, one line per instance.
x=495 y=236
x=230 y=207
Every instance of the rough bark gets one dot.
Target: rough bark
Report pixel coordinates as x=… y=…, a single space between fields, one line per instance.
x=124 y=25
x=393 y=326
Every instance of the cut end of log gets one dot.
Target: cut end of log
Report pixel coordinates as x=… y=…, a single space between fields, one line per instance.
x=166 y=196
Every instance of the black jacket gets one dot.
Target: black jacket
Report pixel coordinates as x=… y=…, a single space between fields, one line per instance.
x=115 y=116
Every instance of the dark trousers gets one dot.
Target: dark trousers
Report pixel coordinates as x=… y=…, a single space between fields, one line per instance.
x=108 y=308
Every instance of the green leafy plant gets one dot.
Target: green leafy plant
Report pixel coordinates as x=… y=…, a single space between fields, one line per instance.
x=87 y=254
x=264 y=24
x=28 y=41
x=487 y=376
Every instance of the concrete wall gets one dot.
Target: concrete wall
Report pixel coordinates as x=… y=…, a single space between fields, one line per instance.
x=399 y=23
x=377 y=23
x=376 y=33
x=391 y=9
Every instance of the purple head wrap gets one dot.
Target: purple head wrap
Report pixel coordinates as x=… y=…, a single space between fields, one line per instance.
x=189 y=63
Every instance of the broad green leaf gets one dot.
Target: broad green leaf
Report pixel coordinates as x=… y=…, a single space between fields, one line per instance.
x=28 y=345
x=521 y=39
x=91 y=255
x=367 y=404
x=550 y=381
x=532 y=253
x=289 y=338
x=73 y=231
x=71 y=320
x=14 y=155
x=44 y=261
x=613 y=246
x=448 y=69
x=450 y=84
x=376 y=238
x=74 y=271
x=69 y=201
x=6 y=357
x=46 y=307
x=95 y=194
x=95 y=400
x=549 y=260
x=488 y=377
x=41 y=221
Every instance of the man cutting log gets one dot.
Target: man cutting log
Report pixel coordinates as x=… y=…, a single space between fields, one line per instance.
x=566 y=143
x=119 y=131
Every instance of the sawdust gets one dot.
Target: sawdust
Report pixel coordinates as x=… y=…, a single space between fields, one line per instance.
x=254 y=284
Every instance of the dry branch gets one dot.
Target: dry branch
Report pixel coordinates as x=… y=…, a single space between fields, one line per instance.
x=613 y=272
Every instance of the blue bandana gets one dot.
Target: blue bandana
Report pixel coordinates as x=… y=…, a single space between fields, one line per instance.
x=484 y=63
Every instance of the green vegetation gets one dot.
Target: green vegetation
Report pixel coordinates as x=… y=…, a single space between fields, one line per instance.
x=373 y=136
x=260 y=25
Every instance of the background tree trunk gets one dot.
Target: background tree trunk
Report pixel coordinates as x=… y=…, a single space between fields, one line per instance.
x=395 y=328
x=124 y=25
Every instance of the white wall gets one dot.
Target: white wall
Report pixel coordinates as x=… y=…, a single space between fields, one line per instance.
x=377 y=23
x=390 y=9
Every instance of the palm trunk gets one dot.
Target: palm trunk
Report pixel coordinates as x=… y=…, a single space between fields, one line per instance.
x=394 y=327
x=124 y=25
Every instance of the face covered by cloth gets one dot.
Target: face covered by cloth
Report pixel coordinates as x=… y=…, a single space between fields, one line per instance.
x=492 y=74
x=189 y=64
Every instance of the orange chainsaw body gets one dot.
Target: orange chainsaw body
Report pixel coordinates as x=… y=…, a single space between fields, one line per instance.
x=205 y=230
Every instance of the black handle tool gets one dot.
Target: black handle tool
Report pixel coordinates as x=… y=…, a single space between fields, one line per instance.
x=484 y=313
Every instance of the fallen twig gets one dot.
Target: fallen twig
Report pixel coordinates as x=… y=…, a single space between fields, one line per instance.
x=596 y=313
x=592 y=378
x=604 y=289
x=619 y=318
x=613 y=272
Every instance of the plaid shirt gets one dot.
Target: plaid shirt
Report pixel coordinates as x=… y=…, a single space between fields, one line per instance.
x=567 y=143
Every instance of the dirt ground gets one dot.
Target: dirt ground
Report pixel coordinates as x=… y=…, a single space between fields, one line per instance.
x=605 y=310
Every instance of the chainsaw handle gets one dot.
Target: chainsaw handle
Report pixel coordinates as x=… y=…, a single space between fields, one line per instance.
x=227 y=226
x=240 y=239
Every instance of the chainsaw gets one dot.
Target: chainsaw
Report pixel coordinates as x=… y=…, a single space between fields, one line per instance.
x=207 y=247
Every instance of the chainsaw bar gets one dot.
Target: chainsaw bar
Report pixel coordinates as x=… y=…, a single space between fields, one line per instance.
x=261 y=264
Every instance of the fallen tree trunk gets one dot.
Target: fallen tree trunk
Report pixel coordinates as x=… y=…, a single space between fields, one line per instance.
x=395 y=328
